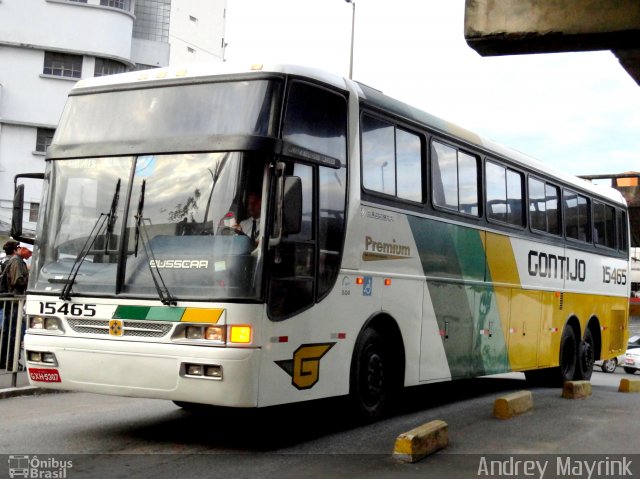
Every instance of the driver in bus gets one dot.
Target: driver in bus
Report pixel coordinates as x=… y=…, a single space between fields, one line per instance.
x=251 y=225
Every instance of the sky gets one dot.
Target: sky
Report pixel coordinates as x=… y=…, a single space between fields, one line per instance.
x=577 y=112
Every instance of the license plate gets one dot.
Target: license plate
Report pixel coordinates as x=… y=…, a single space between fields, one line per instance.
x=44 y=375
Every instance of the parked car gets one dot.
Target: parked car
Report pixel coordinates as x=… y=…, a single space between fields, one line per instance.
x=610 y=365
x=632 y=361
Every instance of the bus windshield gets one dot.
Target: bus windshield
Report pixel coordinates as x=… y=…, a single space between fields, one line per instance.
x=128 y=224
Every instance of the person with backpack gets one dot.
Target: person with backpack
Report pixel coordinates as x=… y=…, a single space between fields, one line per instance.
x=14 y=276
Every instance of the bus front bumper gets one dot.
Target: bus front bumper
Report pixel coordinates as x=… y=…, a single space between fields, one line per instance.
x=148 y=370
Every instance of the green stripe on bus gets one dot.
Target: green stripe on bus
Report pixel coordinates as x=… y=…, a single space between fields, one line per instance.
x=452 y=255
x=151 y=313
x=163 y=313
x=131 y=312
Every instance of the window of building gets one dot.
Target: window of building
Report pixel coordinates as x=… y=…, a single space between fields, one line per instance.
x=604 y=225
x=34 y=210
x=44 y=136
x=576 y=216
x=455 y=179
x=62 y=64
x=121 y=4
x=152 y=20
x=544 y=214
x=504 y=194
x=391 y=160
x=105 y=66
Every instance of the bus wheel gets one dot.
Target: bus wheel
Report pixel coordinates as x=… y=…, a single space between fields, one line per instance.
x=568 y=355
x=555 y=377
x=371 y=376
x=586 y=357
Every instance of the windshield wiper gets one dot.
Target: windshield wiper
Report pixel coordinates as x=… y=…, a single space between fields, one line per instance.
x=112 y=217
x=142 y=234
x=215 y=176
x=107 y=219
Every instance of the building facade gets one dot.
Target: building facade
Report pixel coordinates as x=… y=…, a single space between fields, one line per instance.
x=48 y=45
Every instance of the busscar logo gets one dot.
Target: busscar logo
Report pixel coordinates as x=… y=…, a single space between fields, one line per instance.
x=304 y=368
x=179 y=263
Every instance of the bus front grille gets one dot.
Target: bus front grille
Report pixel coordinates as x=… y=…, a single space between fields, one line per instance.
x=141 y=329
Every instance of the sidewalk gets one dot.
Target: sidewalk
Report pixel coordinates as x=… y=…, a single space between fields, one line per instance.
x=22 y=386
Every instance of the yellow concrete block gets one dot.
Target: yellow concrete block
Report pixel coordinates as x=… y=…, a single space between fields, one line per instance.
x=511 y=405
x=576 y=389
x=420 y=442
x=629 y=386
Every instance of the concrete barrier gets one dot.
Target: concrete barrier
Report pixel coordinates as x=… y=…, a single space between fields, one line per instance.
x=413 y=445
x=513 y=404
x=629 y=386
x=576 y=389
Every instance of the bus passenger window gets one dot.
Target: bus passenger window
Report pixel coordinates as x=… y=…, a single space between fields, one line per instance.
x=537 y=205
x=504 y=194
x=409 y=165
x=604 y=225
x=391 y=160
x=455 y=179
x=378 y=156
x=576 y=213
x=552 y=194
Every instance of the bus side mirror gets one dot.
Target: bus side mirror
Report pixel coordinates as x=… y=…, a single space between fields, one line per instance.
x=17 y=216
x=292 y=205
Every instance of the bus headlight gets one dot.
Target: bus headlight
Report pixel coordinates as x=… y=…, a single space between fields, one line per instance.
x=201 y=333
x=45 y=323
x=214 y=333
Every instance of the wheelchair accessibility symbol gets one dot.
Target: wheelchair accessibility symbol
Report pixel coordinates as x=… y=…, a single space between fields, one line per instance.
x=367 y=286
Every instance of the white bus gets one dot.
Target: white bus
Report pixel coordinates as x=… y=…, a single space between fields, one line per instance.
x=392 y=249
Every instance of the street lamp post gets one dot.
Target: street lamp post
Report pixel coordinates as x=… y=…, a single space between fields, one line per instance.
x=382 y=167
x=353 y=26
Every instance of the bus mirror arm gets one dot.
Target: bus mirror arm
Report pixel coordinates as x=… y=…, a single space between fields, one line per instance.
x=288 y=208
x=276 y=234
x=292 y=205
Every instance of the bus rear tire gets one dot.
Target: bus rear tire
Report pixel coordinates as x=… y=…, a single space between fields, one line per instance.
x=586 y=357
x=371 y=382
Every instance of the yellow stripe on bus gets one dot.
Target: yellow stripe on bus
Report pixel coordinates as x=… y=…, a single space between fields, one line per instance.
x=201 y=315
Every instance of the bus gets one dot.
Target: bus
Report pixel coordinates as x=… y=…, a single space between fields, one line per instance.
x=393 y=249
x=628 y=184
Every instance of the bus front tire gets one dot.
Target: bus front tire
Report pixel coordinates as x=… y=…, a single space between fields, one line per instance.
x=371 y=381
x=566 y=371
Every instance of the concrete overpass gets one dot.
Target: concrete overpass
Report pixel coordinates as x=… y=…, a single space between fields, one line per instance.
x=511 y=27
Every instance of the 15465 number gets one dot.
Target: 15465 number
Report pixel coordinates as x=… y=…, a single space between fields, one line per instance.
x=614 y=275
x=68 y=309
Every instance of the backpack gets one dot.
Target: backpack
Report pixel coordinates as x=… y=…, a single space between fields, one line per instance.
x=4 y=276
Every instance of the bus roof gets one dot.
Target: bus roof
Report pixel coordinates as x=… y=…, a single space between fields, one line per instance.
x=367 y=94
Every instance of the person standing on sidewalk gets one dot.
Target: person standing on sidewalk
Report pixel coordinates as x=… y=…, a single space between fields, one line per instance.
x=13 y=280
